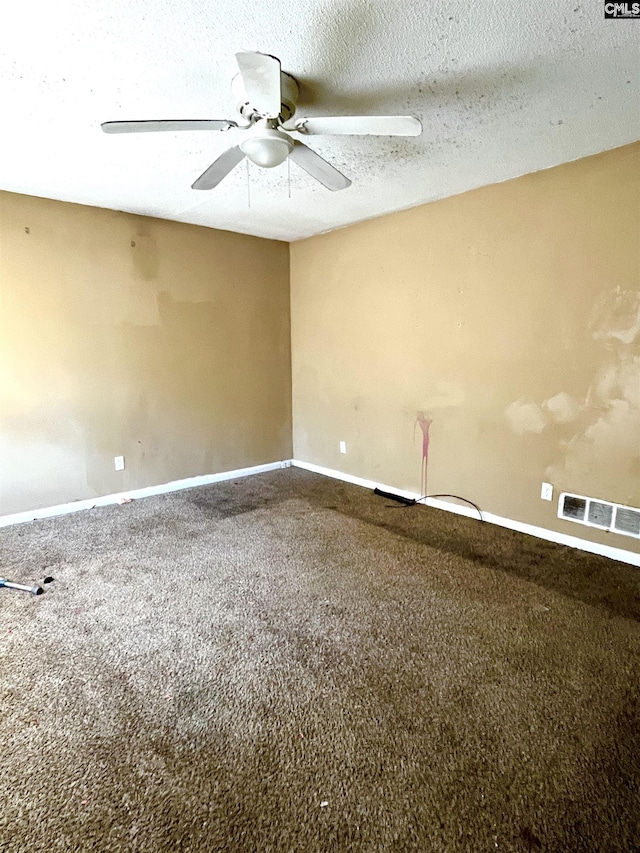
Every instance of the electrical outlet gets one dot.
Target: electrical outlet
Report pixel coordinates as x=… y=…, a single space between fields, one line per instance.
x=343 y=447
x=546 y=493
x=118 y=462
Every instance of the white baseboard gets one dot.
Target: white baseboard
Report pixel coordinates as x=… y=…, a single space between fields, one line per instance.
x=135 y=494
x=612 y=553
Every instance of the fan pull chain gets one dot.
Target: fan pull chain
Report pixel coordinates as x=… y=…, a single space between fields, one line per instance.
x=289 y=175
x=248 y=185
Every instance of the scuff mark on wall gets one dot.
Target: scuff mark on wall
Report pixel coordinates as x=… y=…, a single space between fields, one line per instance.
x=424 y=422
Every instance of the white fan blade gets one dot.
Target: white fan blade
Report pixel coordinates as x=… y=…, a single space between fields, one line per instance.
x=314 y=165
x=360 y=125
x=219 y=169
x=261 y=77
x=178 y=124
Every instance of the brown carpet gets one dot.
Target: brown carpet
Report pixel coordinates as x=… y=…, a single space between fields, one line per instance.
x=287 y=663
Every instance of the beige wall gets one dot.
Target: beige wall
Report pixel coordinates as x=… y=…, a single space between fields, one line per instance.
x=509 y=316
x=167 y=343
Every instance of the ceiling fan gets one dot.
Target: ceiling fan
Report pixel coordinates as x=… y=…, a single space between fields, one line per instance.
x=266 y=99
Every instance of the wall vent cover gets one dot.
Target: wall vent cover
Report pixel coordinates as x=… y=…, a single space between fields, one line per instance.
x=602 y=514
x=628 y=521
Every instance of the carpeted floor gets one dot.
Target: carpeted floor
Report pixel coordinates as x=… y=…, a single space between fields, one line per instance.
x=288 y=663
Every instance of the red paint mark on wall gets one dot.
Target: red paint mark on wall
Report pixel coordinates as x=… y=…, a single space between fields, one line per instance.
x=424 y=422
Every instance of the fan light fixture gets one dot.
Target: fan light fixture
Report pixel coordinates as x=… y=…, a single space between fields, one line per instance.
x=266 y=98
x=265 y=145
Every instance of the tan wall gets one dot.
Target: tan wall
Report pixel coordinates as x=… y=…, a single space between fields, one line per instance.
x=174 y=352
x=509 y=316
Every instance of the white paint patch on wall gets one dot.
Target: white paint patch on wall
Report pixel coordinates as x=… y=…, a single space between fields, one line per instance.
x=617 y=382
x=608 y=446
x=525 y=416
x=617 y=316
x=563 y=408
x=603 y=450
x=599 y=458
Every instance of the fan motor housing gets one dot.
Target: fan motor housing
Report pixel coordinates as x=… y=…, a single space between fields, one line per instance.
x=289 y=97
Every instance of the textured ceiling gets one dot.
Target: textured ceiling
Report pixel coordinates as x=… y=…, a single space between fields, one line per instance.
x=502 y=88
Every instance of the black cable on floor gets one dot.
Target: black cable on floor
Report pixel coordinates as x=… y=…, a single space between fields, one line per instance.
x=458 y=498
x=412 y=501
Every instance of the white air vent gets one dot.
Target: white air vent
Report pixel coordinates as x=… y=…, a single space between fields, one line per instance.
x=627 y=521
x=597 y=513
